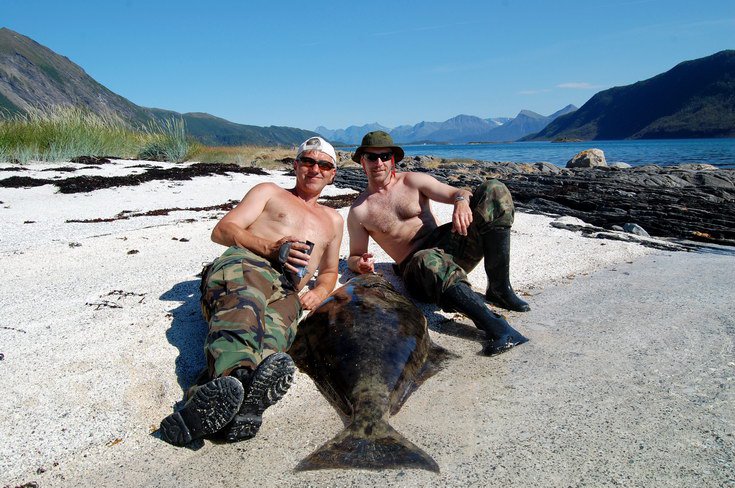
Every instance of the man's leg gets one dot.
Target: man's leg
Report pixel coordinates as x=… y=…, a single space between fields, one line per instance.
x=249 y=331
x=272 y=378
x=501 y=336
x=235 y=295
x=432 y=275
x=488 y=237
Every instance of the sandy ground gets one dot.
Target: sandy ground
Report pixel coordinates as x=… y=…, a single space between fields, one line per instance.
x=628 y=378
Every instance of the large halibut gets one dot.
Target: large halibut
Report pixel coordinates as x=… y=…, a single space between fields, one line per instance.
x=367 y=348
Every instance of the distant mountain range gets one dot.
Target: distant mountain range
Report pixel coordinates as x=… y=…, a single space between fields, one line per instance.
x=459 y=129
x=33 y=76
x=694 y=99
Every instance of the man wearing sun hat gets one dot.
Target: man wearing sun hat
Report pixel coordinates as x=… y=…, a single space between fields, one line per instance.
x=277 y=238
x=432 y=260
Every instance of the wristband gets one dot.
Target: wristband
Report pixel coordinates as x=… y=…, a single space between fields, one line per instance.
x=459 y=198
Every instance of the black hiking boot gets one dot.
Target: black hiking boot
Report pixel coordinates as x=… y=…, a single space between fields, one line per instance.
x=496 y=247
x=208 y=410
x=501 y=336
x=267 y=384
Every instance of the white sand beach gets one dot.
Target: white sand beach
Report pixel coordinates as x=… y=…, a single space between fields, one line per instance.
x=100 y=332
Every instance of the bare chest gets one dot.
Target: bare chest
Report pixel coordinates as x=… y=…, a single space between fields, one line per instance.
x=285 y=218
x=388 y=213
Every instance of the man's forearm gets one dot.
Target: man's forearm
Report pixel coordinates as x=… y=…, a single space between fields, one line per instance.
x=232 y=235
x=325 y=282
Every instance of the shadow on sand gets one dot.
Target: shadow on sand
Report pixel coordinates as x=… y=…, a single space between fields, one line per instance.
x=188 y=331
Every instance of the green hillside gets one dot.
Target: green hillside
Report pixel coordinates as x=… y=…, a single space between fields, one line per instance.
x=34 y=77
x=695 y=99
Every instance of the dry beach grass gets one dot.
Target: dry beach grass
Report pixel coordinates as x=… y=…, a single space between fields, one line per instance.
x=101 y=331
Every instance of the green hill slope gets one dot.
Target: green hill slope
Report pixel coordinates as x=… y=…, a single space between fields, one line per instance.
x=35 y=77
x=695 y=99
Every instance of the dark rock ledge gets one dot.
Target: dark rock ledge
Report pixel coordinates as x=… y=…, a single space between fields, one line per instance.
x=691 y=202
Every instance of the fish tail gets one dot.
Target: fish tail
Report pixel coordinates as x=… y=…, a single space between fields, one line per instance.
x=378 y=446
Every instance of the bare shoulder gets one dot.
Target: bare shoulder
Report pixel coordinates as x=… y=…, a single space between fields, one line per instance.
x=334 y=216
x=359 y=200
x=416 y=180
x=267 y=187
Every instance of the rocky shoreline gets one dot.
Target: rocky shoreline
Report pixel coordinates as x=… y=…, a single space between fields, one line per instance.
x=690 y=202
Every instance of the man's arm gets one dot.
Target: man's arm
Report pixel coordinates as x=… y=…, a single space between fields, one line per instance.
x=231 y=230
x=440 y=192
x=360 y=260
x=328 y=268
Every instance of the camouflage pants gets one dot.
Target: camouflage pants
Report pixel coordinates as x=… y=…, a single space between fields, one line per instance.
x=445 y=258
x=251 y=308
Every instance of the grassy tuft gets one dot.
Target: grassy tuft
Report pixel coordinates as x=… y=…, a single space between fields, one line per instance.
x=167 y=141
x=62 y=133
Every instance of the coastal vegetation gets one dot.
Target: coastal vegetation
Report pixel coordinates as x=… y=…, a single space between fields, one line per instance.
x=64 y=133
x=61 y=133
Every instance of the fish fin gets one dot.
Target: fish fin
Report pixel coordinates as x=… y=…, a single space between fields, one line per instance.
x=383 y=448
x=437 y=357
x=435 y=360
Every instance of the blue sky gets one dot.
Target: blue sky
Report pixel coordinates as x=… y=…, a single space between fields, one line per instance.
x=341 y=63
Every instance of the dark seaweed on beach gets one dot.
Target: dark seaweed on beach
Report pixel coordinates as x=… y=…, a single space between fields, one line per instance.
x=63 y=169
x=338 y=201
x=93 y=159
x=24 y=182
x=126 y=214
x=83 y=184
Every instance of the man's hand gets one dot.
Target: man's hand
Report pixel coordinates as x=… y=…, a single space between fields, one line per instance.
x=296 y=256
x=312 y=298
x=461 y=217
x=366 y=264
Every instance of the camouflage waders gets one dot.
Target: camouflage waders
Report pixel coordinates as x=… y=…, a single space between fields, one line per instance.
x=252 y=310
x=445 y=258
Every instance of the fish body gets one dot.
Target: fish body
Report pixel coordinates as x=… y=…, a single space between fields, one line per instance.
x=367 y=348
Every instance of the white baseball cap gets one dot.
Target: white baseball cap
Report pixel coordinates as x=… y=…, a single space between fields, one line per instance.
x=317 y=144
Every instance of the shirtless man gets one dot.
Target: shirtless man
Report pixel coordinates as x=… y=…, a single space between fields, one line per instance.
x=434 y=260
x=277 y=239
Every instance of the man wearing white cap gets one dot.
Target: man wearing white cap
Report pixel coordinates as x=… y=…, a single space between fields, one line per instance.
x=277 y=239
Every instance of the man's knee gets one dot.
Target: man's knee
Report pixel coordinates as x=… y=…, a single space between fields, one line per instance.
x=492 y=204
x=430 y=272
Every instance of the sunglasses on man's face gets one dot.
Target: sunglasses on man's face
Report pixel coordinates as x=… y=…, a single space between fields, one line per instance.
x=309 y=163
x=386 y=156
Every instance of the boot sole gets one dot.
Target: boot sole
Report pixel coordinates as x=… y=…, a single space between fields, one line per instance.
x=505 y=344
x=271 y=381
x=520 y=307
x=211 y=407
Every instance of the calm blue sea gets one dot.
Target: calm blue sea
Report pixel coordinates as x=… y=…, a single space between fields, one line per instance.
x=664 y=152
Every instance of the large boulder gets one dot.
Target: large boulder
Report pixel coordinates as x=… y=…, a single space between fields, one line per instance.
x=589 y=158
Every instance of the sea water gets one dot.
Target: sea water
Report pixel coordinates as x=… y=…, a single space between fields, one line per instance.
x=663 y=152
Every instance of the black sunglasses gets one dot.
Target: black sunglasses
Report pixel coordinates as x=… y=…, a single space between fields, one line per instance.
x=309 y=163
x=386 y=156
